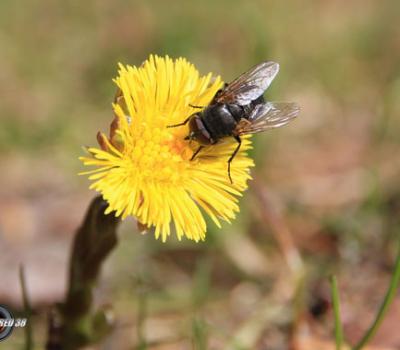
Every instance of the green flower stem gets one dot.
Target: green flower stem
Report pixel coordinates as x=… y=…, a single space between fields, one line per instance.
x=390 y=294
x=336 y=309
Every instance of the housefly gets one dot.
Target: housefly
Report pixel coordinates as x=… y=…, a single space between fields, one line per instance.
x=239 y=109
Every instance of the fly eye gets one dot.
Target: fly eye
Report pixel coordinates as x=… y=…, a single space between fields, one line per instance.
x=198 y=131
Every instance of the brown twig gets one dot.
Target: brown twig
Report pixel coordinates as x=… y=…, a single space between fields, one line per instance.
x=280 y=230
x=284 y=238
x=27 y=309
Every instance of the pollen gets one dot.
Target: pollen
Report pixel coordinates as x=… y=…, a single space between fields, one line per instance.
x=144 y=169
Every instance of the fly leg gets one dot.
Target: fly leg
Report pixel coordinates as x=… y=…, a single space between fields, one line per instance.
x=186 y=120
x=239 y=141
x=197 y=152
x=193 y=106
x=180 y=124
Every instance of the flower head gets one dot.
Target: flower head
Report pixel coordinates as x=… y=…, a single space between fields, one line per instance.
x=144 y=169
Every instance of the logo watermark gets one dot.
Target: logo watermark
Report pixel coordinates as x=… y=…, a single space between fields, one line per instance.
x=8 y=322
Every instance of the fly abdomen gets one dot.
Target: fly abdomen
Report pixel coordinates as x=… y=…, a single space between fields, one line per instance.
x=236 y=111
x=258 y=101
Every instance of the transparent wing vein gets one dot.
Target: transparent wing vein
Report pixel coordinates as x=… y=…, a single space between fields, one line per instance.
x=270 y=115
x=250 y=85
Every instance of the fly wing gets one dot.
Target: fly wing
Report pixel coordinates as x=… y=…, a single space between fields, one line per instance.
x=267 y=116
x=249 y=86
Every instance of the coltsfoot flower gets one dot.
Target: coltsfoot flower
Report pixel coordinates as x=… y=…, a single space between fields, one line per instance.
x=144 y=169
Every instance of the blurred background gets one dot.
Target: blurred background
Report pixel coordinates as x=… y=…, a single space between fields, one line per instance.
x=325 y=198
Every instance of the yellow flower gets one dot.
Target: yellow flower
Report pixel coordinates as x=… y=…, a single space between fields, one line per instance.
x=144 y=168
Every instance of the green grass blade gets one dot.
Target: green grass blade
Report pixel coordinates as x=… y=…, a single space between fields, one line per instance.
x=390 y=294
x=336 y=309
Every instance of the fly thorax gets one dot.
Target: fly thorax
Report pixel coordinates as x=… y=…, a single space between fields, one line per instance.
x=219 y=121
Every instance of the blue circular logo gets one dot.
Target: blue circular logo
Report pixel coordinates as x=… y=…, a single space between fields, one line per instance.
x=6 y=323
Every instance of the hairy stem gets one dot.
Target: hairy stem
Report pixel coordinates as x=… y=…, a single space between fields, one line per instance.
x=93 y=242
